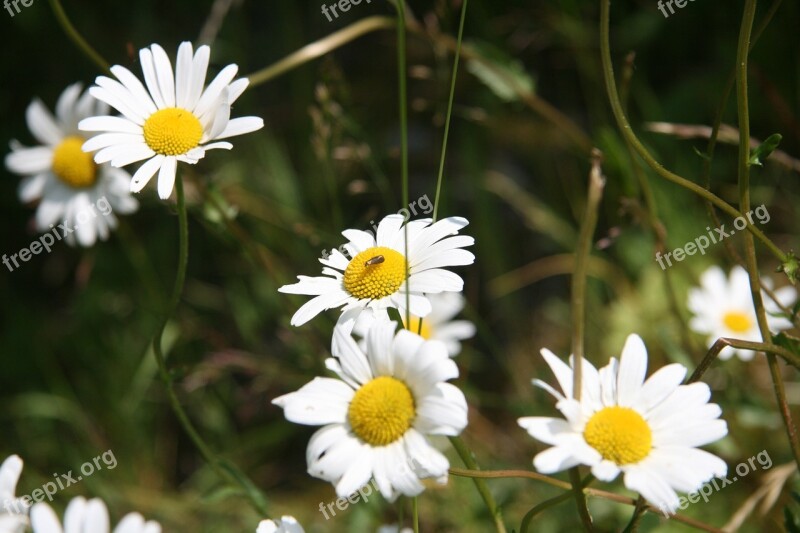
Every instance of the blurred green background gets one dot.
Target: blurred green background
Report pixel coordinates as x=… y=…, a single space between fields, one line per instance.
x=77 y=374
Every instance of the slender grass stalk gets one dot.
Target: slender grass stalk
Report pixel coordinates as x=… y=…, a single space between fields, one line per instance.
x=540 y=508
x=628 y=133
x=743 y=111
x=76 y=37
x=457 y=56
x=224 y=470
x=483 y=489
x=415 y=512
x=320 y=48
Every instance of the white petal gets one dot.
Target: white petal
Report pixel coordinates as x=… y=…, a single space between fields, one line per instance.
x=30 y=160
x=146 y=172
x=317 y=305
x=42 y=124
x=44 y=519
x=135 y=87
x=110 y=124
x=166 y=177
x=652 y=487
x=214 y=90
x=183 y=75
x=435 y=281
x=199 y=67
x=562 y=372
x=240 y=126
x=318 y=402
x=632 y=369
x=443 y=412
x=164 y=75
x=150 y=77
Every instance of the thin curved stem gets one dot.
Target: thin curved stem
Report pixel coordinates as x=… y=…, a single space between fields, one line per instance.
x=449 y=110
x=224 y=471
x=530 y=515
x=403 y=108
x=483 y=489
x=627 y=132
x=723 y=342
x=76 y=37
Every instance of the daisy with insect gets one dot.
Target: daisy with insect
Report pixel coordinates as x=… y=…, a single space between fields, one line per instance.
x=378 y=275
x=173 y=119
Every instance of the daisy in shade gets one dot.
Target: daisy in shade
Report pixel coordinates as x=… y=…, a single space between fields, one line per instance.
x=172 y=119
x=68 y=185
x=723 y=307
x=13 y=513
x=286 y=524
x=375 y=276
x=378 y=415
x=438 y=325
x=84 y=516
x=647 y=430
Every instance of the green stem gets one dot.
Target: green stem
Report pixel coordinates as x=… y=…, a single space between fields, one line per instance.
x=449 y=110
x=483 y=489
x=403 y=107
x=166 y=376
x=580 y=499
x=76 y=37
x=722 y=343
x=529 y=516
x=627 y=132
x=415 y=512
x=742 y=59
x=636 y=518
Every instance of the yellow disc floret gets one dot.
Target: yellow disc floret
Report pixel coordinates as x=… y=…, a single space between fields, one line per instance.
x=620 y=434
x=172 y=131
x=72 y=165
x=425 y=331
x=737 y=321
x=375 y=273
x=381 y=411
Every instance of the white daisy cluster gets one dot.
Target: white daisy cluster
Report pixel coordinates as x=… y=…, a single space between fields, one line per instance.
x=170 y=118
x=391 y=394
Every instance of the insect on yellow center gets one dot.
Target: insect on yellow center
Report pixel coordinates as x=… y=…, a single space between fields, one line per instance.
x=72 y=165
x=375 y=273
x=425 y=331
x=381 y=411
x=172 y=131
x=620 y=434
x=737 y=321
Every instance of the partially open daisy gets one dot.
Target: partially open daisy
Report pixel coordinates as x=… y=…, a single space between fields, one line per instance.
x=378 y=415
x=173 y=119
x=375 y=275
x=84 y=516
x=286 y=524
x=648 y=430
x=723 y=307
x=438 y=325
x=13 y=510
x=64 y=179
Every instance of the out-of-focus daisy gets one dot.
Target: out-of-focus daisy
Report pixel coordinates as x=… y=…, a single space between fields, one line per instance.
x=378 y=415
x=84 y=516
x=286 y=524
x=438 y=325
x=173 y=119
x=648 y=430
x=394 y=528
x=63 y=177
x=375 y=277
x=724 y=308
x=13 y=513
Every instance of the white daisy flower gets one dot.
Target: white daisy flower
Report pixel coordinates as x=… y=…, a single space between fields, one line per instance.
x=724 y=308
x=438 y=325
x=394 y=528
x=377 y=417
x=648 y=430
x=375 y=277
x=13 y=513
x=286 y=524
x=172 y=120
x=68 y=184
x=84 y=516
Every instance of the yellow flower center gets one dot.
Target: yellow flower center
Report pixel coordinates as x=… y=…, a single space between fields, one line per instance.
x=381 y=411
x=737 y=321
x=72 y=165
x=620 y=434
x=172 y=131
x=425 y=331
x=375 y=273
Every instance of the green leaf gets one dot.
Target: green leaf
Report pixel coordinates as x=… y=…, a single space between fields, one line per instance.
x=758 y=155
x=787 y=341
x=503 y=74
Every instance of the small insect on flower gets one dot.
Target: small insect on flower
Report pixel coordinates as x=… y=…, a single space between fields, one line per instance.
x=378 y=259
